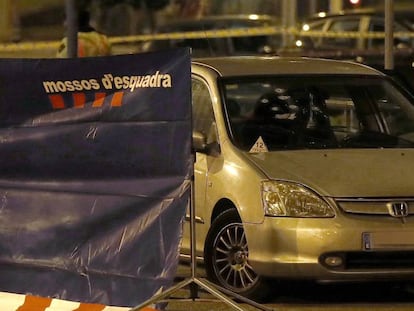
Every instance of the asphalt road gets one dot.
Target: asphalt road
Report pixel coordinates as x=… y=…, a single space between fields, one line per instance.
x=299 y=296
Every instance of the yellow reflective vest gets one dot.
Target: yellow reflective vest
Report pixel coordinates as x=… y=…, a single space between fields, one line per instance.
x=89 y=44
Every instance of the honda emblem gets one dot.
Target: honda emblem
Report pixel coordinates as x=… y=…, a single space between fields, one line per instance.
x=398 y=209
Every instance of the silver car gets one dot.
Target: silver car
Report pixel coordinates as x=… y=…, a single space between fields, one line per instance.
x=303 y=171
x=362 y=21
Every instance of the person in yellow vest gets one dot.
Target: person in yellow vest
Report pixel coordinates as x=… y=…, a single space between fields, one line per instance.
x=90 y=41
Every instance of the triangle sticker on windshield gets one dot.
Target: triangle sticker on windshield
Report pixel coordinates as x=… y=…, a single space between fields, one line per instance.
x=259 y=146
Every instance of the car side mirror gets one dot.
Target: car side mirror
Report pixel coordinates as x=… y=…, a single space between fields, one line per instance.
x=199 y=141
x=266 y=50
x=200 y=144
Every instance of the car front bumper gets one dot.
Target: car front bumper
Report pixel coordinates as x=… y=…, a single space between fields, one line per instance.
x=343 y=248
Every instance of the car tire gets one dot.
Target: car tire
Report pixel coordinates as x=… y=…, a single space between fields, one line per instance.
x=226 y=258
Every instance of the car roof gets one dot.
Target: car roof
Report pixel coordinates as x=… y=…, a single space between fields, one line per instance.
x=401 y=14
x=349 y=12
x=218 y=20
x=234 y=66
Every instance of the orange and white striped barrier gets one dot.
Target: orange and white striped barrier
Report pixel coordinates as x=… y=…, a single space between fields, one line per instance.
x=17 y=302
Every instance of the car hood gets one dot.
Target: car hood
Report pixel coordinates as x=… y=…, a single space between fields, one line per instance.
x=343 y=173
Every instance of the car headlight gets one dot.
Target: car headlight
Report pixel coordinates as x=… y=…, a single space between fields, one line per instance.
x=281 y=198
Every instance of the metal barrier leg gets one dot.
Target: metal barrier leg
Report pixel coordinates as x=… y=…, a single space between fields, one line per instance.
x=194 y=283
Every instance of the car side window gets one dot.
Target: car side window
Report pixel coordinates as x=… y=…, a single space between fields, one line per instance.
x=340 y=26
x=309 y=41
x=203 y=116
x=377 y=25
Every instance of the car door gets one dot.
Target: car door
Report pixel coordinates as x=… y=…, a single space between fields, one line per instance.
x=204 y=123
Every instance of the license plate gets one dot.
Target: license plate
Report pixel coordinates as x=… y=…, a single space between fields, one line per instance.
x=388 y=240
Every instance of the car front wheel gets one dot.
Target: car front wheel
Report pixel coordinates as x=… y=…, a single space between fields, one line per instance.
x=226 y=257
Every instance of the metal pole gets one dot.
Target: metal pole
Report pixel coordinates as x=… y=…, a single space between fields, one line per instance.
x=289 y=8
x=71 y=28
x=389 y=35
x=5 y=20
x=285 y=22
x=292 y=18
x=335 y=6
x=312 y=7
x=194 y=286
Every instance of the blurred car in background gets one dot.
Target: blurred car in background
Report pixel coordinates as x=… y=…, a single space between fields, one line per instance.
x=362 y=49
x=230 y=45
x=302 y=172
x=363 y=21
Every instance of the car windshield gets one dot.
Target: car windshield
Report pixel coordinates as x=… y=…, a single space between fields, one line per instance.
x=321 y=112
